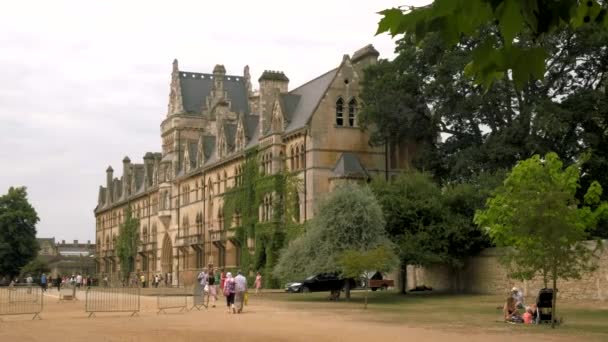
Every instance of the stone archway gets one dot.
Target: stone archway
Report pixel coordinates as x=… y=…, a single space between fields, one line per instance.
x=167 y=255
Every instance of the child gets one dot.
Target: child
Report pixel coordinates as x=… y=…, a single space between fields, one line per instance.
x=528 y=315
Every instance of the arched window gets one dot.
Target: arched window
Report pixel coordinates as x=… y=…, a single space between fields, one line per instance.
x=144 y=234
x=281 y=161
x=196 y=191
x=185 y=226
x=352 y=111
x=340 y=112
x=301 y=156
x=225 y=181
x=291 y=157
x=296 y=158
x=220 y=218
x=219 y=183
x=153 y=235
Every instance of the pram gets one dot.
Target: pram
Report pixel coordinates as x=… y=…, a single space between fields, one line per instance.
x=544 y=307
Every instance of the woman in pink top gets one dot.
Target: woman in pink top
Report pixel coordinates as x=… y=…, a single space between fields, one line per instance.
x=258 y=283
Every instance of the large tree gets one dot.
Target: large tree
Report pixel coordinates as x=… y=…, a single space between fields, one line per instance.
x=429 y=224
x=500 y=54
x=537 y=216
x=18 y=219
x=492 y=128
x=349 y=218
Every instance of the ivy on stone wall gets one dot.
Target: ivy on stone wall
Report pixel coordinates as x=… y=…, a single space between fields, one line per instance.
x=270 y=236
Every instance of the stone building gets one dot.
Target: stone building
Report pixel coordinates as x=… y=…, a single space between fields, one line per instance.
x=212 y=122
x=66 y=258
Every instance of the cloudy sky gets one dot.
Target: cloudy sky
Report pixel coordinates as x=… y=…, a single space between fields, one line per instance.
x=83 y=83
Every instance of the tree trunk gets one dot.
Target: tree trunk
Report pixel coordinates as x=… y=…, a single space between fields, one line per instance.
x=403 y=279
x=347 y=289
x=554 y=309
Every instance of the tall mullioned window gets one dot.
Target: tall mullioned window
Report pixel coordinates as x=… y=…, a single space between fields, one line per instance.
x=352 y=111
x=340 y=112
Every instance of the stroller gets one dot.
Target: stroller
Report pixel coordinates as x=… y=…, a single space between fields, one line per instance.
x=544 y=307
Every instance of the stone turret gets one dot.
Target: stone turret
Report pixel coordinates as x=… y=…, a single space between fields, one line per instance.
x=272 y=83
x=247 y=78
x=126 y=176
x=365 y=56
x=109 y=185
x=219 y=72
x=148 y=169
x=176 y=104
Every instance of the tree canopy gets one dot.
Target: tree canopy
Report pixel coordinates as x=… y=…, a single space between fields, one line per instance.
x=18 y=245
x=503 y=52
x=354 y=263
x=537 y=216
x=484 y=130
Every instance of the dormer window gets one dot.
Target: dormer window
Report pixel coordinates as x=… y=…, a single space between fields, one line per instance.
x=352 y=111
x=340 y=112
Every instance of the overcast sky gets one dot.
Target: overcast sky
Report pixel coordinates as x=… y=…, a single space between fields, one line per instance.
x=82 y=85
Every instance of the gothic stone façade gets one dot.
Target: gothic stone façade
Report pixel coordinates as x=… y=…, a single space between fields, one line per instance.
x=212 y=120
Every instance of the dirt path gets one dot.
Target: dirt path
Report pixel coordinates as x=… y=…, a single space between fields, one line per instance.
x=263 y=320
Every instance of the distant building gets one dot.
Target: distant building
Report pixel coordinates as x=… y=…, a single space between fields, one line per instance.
x=67 y=258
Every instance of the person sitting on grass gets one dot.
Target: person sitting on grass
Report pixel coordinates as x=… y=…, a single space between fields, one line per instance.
x=528 y=315
x=510 y=310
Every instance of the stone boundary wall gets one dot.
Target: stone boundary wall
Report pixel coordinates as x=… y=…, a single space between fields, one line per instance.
x=483 y=274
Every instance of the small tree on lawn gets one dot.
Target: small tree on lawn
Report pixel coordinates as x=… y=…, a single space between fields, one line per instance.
x=127 y=241
x=355 y=262
x=535 y=214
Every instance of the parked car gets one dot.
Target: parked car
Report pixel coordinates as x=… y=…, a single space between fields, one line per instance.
x=318 y=283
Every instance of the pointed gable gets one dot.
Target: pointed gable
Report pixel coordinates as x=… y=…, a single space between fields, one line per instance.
x=349 y=166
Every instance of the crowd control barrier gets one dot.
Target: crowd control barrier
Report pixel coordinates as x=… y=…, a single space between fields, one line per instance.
x=112 y=299
x=21 y=300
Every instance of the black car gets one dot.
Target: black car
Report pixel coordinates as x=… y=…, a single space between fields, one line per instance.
x=318 y=283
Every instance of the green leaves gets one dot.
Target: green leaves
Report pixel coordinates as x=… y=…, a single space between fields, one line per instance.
x=454 y=18
x=535 y=214
x=510 y=19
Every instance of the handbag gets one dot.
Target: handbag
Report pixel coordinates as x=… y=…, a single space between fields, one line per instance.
x=206 y=288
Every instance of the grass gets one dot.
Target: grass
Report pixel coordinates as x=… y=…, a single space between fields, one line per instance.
x=581 y=319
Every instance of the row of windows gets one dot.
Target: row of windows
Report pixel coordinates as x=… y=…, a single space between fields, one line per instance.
x=352 y=112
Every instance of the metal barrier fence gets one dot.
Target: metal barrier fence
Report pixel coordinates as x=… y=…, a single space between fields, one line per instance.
x=112 y=299
x=200 y=298
x=21 y=300
x=67 y=292
x=172 y=299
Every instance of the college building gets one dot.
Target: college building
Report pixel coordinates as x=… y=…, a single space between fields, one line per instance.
x=214 y=122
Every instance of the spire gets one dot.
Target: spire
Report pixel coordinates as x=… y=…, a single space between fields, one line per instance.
x=176 y=104
x=247 y=78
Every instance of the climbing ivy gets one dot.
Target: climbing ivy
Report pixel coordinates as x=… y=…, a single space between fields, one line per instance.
x=126 y=244
x=270 y=236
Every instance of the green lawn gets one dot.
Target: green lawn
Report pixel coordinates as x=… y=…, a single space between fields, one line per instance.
x=454 y=312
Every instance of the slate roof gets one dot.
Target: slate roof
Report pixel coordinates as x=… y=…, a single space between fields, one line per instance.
x=197 y=86
x=349 y=165
x=251 y=126
x=310 y=95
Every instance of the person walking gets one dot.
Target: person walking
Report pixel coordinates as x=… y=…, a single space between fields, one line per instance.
x=212 y=288
x=240 y=290
x=258 y=283
x=58 y=282
x=43 y=282
x=229 y=291
x=222 y=280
